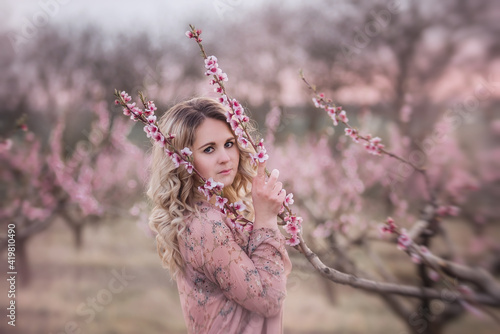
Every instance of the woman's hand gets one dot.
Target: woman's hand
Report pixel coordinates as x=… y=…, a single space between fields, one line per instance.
x=267 y=197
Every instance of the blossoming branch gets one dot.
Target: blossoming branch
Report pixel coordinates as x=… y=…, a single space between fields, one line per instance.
x=372 y=144
x=238 y=120
x=183 y=157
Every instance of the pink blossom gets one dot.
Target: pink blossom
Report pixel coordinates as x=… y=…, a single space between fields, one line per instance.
x=176 y=159
x=260 y=156
x=343 y=117
x=189 y=166
x=186 y=152
x=248 y=227
x=223 y=100
x=292 y=227
x=151 y=119
x=220 y=201
x=318 y=103
x=223 y=77
x=210 y=62
x=289 y=199
x=234 y=123
x=218 y=186
x=374 y=146
x=189 y=34
x=243 y=141
x=209 y=184
x=205 y=192
x=389 y=226
x=159 y=138
x=404 y=240
x=239 y=206
x=334 y=119
x=239 y=112
x=169 y=153
x=235 y=104
x=330 y=111
x=150 y=108
x=228 y=114
x=239 y=132
x=293 y=241
x=125 y=96
x=353 y=133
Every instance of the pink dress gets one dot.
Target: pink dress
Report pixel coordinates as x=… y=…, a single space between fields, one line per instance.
x=233 y=282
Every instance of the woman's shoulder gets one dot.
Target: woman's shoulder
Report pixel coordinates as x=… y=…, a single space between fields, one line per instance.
x=205 y=214
x=209 y=222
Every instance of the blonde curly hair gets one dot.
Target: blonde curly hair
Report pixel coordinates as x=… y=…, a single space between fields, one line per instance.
x=173 y=191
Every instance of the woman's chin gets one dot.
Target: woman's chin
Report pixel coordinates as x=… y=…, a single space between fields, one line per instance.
x=227 y=180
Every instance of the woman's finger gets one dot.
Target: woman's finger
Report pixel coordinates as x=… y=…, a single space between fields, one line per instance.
x=261 y=170
x=273 y=177
x=282 y=195
x=278 y=186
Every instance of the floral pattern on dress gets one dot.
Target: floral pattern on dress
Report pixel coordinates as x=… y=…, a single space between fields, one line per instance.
x=233 y=281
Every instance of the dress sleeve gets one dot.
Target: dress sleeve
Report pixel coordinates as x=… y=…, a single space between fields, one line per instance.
x=256 y=280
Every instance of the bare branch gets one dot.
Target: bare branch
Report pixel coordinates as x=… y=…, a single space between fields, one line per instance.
x=382 y=287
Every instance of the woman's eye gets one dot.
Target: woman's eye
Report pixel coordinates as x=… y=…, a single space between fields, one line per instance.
x=209 y=149
x=229 y=144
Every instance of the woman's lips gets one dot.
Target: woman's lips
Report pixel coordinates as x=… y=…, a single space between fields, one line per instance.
x=225 y=171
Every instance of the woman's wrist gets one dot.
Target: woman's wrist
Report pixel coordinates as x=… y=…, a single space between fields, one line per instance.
x=266 y=222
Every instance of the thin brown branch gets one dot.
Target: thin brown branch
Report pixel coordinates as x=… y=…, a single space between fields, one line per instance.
x=391 y=288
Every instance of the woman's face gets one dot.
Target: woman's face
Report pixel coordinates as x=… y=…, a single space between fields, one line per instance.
x=215 y=152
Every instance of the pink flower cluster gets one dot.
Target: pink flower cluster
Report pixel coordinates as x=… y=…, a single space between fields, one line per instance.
x=148 y=117
x=130 y=109
x=235 y=116
x=353 y=133
x=292 y=227
x=210 y=187
x=374 y=146
x=404 y=240
x=335 y=113
x=389 y=226
x=213 y=68
x=261 y=154
x=235 y=113
x=194 y=34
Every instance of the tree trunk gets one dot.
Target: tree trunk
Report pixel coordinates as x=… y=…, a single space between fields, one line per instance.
x=22 y=264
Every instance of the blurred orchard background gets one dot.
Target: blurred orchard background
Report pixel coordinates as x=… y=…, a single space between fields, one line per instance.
x=424 y=76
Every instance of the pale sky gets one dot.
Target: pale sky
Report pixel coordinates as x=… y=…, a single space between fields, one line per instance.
x=155 y=16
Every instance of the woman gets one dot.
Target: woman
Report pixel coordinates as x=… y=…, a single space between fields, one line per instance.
x=230 y=280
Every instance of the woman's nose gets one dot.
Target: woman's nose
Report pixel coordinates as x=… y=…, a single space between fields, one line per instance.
x=223 y=156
